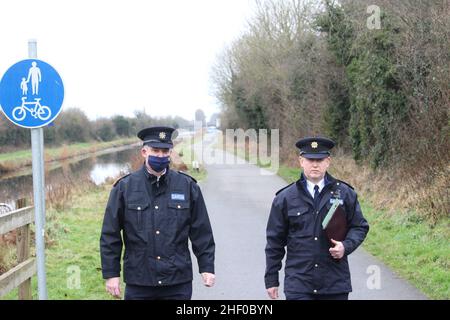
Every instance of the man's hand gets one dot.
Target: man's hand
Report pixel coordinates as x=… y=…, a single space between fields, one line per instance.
x=113 y=287
x=208 y=279
x=273 y=292
x=338 y=250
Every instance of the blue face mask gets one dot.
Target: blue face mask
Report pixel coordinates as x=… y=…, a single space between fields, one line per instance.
x=158 y=163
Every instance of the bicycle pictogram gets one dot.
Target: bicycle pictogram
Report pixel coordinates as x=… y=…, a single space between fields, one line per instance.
x=39 y=112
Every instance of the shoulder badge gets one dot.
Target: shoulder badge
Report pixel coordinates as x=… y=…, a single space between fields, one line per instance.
x=184 y=173
x=284 y=188
x=340 y=181
x=118 y=179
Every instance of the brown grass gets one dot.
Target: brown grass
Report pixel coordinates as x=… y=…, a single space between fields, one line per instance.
x=9 y=166
x=397 y=190
x=176 y=162
x=65 y=153
x=8 y=257
x=59 y=196
x=136 y=161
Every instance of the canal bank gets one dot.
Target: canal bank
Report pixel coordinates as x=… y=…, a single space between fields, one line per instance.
x=11 y=162
x=95 y=167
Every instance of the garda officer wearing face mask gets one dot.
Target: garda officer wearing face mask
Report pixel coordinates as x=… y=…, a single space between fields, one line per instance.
x=152 y=213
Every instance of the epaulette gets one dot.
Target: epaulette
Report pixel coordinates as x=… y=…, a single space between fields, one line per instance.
x=187 y=175
x=340 y=181
x=284 y=188
x=118 y=179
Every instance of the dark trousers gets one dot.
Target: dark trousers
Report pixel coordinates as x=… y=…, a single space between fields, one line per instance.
x=176 y=292
x=309 y=296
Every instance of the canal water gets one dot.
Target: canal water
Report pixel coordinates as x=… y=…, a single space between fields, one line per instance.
x=94 y=168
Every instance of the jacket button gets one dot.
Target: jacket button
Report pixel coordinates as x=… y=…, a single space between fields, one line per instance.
x=156 y=207
x=315 y=238
x=139 y=208
x=178 y=206
x=298 y=213
x=157 y=231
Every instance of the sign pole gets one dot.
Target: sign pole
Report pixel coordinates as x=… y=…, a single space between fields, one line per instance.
x=34 y=109
x=37 y=151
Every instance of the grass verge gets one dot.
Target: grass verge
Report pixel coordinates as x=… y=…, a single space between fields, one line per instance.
x=73 y=260
x=185 y=150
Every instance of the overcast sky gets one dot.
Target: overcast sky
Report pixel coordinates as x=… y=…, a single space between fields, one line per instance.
x=117 y=56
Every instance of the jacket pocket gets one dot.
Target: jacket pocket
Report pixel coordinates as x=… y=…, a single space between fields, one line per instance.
x=182 y=212
x=136 y=214
x=179 y=205
x=134 y=265
x=301 y=222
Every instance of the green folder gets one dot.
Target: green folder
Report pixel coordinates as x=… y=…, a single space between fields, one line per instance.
x=330 y=214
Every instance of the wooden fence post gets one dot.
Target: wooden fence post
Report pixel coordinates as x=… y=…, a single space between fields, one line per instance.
x=23 y=252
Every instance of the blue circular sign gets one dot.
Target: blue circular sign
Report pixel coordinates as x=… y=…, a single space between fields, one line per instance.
x=31 y=93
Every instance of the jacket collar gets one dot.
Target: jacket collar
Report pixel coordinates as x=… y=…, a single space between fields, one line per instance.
x=152 y=176
x=301 y=185
x=328 y=179
x=163 y=179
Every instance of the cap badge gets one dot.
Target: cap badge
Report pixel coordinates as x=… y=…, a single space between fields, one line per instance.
x=162 y=135
x=314 y=145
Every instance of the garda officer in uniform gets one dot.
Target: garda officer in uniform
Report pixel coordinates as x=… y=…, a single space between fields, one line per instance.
x=157 y=210
x=314 y=269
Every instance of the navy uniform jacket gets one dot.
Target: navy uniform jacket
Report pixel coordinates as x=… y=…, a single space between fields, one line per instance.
x=156 y=218
x=295 y=223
